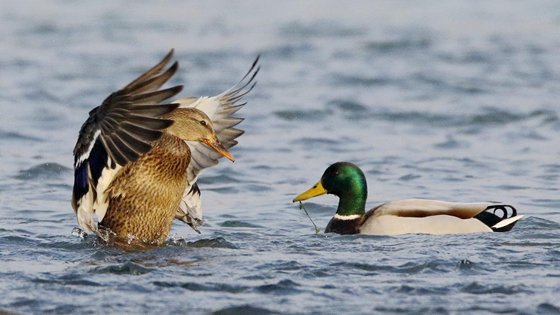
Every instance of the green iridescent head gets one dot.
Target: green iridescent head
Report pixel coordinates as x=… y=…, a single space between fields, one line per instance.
x=344 y=180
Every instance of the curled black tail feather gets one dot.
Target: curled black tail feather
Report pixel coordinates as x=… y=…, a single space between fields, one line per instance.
x=490 y=218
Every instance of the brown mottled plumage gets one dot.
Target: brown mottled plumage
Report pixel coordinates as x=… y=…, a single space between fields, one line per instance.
x=144 y=195
x=137 y=157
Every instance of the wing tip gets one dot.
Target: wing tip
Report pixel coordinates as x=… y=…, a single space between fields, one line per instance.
x=244 y=86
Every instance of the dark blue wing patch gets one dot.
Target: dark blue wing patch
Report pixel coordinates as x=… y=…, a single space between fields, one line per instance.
x=97 y=160
x=80 y=181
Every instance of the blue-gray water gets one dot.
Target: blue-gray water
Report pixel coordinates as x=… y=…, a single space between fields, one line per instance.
x=450 y=100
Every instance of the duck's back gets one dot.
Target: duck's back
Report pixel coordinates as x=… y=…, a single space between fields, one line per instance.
x=438 y=217
x=145 y=194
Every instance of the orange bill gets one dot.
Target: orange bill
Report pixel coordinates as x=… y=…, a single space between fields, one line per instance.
x=218 y=147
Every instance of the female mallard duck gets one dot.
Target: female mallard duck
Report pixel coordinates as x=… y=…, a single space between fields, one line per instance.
x=348 y=182
x=137 y=160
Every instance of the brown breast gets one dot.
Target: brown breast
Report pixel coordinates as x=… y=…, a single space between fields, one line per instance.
x=343 y=226
x=145 y=194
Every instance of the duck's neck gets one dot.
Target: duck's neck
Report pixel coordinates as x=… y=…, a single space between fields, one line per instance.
x=353 y=202
x=351 y=209
x=349 y=224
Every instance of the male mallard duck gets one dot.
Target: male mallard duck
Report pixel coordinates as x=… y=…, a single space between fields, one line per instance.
x=137 y=160
x=348 y=182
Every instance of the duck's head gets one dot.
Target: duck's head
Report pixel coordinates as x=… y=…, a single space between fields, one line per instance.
x=339 y=179
x=191 y=124
x=344 y=180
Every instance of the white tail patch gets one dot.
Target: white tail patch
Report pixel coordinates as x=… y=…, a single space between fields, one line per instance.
x=507 y=222
x=85 y=215
x=191 y=207
x=105 y=180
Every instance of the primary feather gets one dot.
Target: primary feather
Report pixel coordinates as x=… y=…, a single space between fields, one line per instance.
x=221 y=109
x=118 y=132
x=132 y=146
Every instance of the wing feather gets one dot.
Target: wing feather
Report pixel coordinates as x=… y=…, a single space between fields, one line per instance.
x=221 y=109
x=155 y=97
x=154 y=83
x=426 y=207
x=118 y=132
x=152 y=71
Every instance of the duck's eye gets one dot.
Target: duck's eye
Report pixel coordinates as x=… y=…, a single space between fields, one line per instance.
x=203 y=122
x=336 y=173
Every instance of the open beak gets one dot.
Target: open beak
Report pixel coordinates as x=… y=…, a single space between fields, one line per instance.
x=316 y=190
x=218 y=147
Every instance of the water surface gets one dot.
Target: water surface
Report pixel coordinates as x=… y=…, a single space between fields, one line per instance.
x=454 y=100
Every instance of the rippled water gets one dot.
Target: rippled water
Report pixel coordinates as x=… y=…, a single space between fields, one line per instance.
x=454 y=100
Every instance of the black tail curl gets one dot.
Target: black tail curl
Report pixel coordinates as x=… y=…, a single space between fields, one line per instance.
x=491 y=218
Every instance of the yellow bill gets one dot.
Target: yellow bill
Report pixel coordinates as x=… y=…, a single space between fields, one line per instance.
x=316 y=190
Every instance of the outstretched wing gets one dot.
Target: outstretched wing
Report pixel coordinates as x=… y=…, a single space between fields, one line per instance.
x=221 y=109
x=117 y=132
